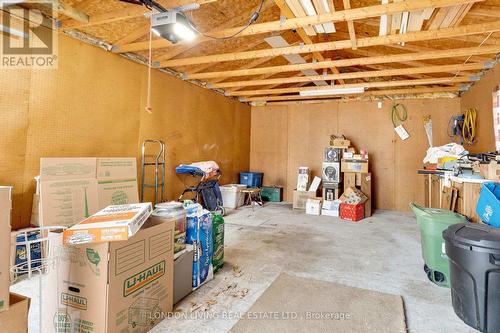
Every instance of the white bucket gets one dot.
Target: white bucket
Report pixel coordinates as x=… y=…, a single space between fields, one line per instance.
x=231 y=195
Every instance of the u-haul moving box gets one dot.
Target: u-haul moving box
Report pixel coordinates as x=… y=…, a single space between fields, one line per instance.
x=5 y=208
x=112 y=287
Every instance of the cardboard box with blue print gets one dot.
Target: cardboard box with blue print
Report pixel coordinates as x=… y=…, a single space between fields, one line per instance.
x=354 y=165
x=110 y=287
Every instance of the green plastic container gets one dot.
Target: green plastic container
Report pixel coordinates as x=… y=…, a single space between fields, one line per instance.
x=272 y=193
x=433 y=222
x=218 y=237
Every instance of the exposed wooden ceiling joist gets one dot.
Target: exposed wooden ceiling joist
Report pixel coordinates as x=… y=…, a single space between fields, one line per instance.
x=326 y=46
x=350 y=26
x=383 y=84
x=366 y=93
x=337 y=16
x=353 y=62
x=59 y=6
x=130 y=12
x=355 y=75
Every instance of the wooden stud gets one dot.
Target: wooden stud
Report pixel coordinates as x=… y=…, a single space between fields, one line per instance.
x=355 y=75
x=350 y=26
x=290 y=24
x=366 y=93
x=383 y=84
x=354 y=62
x=326 y=46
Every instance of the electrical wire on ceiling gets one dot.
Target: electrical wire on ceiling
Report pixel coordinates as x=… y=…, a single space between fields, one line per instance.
x=466 y=60
x=253 y=18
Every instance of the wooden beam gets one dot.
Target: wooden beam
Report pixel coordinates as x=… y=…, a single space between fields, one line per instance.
x=290 y=24
x=297 y=11
x=128 y=12
x=350 y=26
x=326 y=46
x=61 y=8
x=366 y=93
x=354 y=62
x=485 y=10
x=301 y=32
x=383 y=84
x=355 y=75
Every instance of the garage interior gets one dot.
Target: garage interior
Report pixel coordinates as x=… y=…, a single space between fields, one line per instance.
x=404 y=94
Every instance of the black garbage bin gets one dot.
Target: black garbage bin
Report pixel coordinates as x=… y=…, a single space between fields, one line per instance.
x=474 y=255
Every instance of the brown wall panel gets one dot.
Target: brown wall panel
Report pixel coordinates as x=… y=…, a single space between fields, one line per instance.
x=393 y=163
x=480 y=97
x=93 y=105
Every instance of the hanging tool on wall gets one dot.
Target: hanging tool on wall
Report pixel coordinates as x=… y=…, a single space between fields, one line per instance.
x=462 y=128
x=428 y=129
x=399 y=114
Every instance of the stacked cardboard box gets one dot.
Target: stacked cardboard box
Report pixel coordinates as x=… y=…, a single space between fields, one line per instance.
x=15 y=319
x=5 y=210
x=124 y=286
x=72 y=189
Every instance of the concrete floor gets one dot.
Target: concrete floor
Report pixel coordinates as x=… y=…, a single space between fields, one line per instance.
x=380 y=253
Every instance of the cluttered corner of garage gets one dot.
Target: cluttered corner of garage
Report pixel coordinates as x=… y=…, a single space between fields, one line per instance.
x=103 y=260
x=460 y=220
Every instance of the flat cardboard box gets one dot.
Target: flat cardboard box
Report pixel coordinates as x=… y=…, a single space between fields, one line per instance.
x=313 y=206
x=5 y=212
x=110 y=287
x=15 y=319
x=331 y=208
x=183 y=273
x=300 y=199
x=114 y=168
x=66 y=168
x=117 y=192
x=66 y=202
x=111 y=224
x=352 y=165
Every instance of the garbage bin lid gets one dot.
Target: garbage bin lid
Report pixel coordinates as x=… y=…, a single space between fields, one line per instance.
x=476 y=237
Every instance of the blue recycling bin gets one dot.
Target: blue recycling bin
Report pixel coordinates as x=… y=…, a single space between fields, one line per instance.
x=488 y=205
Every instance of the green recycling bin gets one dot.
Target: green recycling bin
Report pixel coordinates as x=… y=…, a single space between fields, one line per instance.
x=433 y=222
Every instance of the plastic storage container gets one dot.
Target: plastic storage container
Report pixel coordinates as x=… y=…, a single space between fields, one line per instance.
x=173 y=210
x=232 y=196
x=251 y=179
x=474 y=252
x=272 y=193
x=488 y=205
x=433 y=222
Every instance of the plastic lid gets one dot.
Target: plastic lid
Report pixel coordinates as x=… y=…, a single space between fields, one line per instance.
x=476 y=237
x=169 y=205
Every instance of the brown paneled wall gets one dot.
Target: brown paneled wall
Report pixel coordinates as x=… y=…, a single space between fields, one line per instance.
x=286 y=137
x=93 y=105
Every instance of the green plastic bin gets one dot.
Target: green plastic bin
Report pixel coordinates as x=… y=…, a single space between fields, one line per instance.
x=272 y=193
x=433 y=222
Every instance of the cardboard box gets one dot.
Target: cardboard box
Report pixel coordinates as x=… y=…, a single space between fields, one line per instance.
x=113 y=168
x=5 y=212
x=313 y=206
x=353 y=196
x=303 y=178
x=490 y=171
x=183 y=273
x=331 y=172
x=352 y=165
x=15 y=319
x=111 y=224
x=110 y=287
x=331 y=191
x=339 y=142
x=352 y=213
x=67 y=168
x=331 y=208
x=300 y=199
x=361 y=181
x=66 y=202
x=117 y=192
x=332 y=154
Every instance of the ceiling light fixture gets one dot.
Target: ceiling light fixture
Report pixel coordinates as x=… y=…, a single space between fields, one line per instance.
x=332 y=91
x=173 y=26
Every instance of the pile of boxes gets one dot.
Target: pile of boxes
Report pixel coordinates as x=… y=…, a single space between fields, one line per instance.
x=346 y=184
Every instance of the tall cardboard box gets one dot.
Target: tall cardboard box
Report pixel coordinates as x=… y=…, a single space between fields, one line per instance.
x=66 y=202
x=112 y=287
x=67 y=168
x=15 y=320
x=113 y=168
x=5 y=208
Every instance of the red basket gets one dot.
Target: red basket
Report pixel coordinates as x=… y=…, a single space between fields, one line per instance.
x=352 y=212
